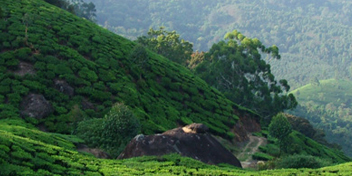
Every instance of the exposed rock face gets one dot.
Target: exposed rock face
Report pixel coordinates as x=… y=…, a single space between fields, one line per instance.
x=87 y=105
x=35 y=105
x=63 y=87
x=95 y=151
x=195 y=128
x=244 y=126
x=24 y=68
x=185 y=141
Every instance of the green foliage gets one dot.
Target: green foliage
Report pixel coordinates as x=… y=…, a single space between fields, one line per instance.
x=26 y=151
x=328 y=107
x=88 y=74
x=77 y=7
x=120 y=126
x=235 y=68
x=262 y=156
x=113 y=132
x=205 y=22
x=280 y=128
x=167 y=44
x=302 y=161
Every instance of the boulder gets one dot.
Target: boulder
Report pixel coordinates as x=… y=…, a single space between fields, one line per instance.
x=35 y=105
x=65 y=88
x=186 y=141
x=94 y=151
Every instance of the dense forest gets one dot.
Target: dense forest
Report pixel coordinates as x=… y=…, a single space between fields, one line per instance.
x=313 y=36
x=327 y=104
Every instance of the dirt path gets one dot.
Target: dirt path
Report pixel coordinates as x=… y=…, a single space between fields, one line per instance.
x=252 y=146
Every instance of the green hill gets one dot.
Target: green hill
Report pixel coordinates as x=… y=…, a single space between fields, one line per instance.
x=327 y=105
x=42 y=45
x=57 y=46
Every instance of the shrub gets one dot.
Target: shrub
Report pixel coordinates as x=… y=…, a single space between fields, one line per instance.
x=262 y=156
x=120 y=125
x=302 y=161
x=111 y=133
x=87 y=74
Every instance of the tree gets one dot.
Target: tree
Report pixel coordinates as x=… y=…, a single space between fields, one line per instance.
x=120 y=126
x=85 y=10
x=1 y=13
x=280 y=128
x=113 y=132
x=235 y=68
x=167 y=44
x=77 y=7
x=315 y=81
x=139 y=57
x=196 y=59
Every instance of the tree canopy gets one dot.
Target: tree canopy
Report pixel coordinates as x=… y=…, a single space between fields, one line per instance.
x=168 y=44
x=77 y=7
x=280 y=128
x=235 y=67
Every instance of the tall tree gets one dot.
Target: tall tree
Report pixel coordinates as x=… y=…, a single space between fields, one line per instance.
x=280 y=128
x=235 y=67
x=167 y=44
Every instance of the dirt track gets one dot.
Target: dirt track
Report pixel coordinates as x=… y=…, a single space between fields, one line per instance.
x=251 y=147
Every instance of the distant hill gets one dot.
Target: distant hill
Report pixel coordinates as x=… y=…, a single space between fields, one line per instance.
x=327 y=105
x=313 y=36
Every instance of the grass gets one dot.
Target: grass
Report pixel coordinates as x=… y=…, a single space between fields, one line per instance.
x=327 y=106
x=329 y=91
x=96 y=64
x=28 y=155
x=57 y=45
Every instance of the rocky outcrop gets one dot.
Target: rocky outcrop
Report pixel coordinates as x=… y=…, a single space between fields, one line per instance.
x=63 y=87
x=24 y=68
x=244 y=126
x=35 y=105
x=191 y=141
x=94 y=151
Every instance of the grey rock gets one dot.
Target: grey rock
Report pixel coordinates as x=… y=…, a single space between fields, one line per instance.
x=35 y=105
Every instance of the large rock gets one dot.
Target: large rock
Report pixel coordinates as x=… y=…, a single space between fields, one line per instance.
x=191 y=141
x=63 y=87
x=35 y=105
x=94 y=151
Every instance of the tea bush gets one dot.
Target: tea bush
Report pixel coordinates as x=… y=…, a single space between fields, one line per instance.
x=302 y=161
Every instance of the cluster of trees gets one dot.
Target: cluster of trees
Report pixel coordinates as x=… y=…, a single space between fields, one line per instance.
x=334 y=120
x=313 y=36
x=327 y=105
x=168 y=44
x=234 y=66
x=77 y=7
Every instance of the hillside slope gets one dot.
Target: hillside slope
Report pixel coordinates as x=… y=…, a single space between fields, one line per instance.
x=77 y=71
x=327 y=105
x=82 y=70
x=27 y=151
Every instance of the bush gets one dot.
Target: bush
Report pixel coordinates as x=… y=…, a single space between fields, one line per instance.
x=302 y=161
x=120 y=126
x=111 y=133
x=262 y=156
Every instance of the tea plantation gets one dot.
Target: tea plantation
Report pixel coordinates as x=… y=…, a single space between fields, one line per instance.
x=42 y=45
